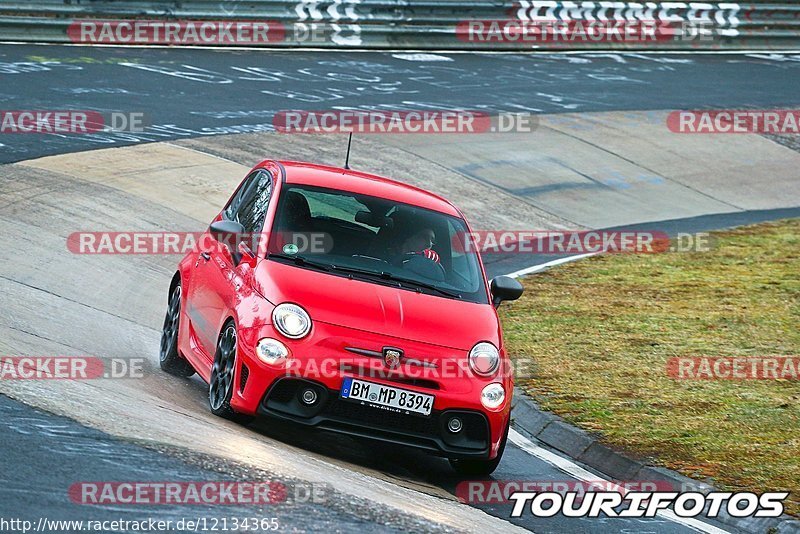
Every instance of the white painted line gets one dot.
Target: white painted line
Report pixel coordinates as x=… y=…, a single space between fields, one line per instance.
x=544 y=266
x=422 y=57
x=578 y=472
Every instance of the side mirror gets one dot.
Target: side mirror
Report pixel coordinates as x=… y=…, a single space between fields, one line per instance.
x=230 y=234
x=505 y=288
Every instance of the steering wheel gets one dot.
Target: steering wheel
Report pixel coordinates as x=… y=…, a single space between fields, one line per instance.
x=419 y=264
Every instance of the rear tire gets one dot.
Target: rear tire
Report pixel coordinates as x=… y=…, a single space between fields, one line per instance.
x=480 y=468
x=220 y=388
x=169 y=359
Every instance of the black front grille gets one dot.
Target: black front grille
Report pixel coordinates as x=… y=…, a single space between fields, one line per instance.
x=331 y=412
x=283 y=390
x=376 y=417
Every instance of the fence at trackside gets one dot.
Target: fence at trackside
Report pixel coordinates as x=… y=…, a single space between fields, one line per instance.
x=426 y=24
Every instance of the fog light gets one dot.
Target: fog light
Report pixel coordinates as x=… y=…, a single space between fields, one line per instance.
x=271 y=351
x=492 y=396
x=455 y=425
x=309 y=396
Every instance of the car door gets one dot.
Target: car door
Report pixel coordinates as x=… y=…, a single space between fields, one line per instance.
x=220 y=275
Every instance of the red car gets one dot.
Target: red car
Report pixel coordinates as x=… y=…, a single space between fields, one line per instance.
x=345 y=301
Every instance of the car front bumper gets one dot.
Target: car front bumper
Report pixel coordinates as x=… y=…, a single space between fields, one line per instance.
x=330 y=412
x=276 y=391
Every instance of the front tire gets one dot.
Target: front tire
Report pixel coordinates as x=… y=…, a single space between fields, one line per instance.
x=220 y=388
x=480 y=468
x=168 y=358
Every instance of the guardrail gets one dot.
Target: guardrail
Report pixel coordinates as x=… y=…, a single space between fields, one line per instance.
x=440 y=24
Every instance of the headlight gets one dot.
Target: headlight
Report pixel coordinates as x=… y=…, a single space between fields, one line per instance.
x=484 y=359
x=492 y=396
x=291 y=320
x=271 y=350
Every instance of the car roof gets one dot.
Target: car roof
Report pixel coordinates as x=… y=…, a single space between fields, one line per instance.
x=302 y=173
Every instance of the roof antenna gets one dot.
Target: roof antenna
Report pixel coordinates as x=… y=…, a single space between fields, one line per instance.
x=347 y=158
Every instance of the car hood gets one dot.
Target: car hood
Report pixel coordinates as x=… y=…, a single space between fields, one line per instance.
x=372 y=307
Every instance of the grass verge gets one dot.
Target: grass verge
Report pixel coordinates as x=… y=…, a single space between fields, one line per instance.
x=600 y=332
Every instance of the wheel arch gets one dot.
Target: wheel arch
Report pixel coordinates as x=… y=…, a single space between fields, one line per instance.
x=176 y=279
x=228 y=320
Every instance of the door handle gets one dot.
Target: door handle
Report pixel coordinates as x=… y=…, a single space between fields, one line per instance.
x=205 y=255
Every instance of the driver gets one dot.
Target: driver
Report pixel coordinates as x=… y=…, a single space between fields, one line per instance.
x=421 y=242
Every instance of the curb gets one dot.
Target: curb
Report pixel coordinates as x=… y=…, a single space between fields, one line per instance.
x=579 y=445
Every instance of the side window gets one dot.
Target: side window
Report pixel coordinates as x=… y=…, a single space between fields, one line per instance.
x=233 y=206
x=250 y=208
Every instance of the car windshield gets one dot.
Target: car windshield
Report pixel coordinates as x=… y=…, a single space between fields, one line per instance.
x=376 y=240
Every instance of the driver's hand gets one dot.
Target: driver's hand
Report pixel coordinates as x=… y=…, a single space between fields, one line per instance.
x=431 y=255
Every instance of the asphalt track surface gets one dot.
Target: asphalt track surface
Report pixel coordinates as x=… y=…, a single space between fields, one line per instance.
x=32 y=439
x=195 y=93
x=191 y=93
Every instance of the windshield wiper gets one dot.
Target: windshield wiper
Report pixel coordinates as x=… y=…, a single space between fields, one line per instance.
x=327 y=267
x=425 y=285
x=367 y=272
x=399 y=279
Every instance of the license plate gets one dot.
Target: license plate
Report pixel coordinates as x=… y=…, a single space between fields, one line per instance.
x=387 y=397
